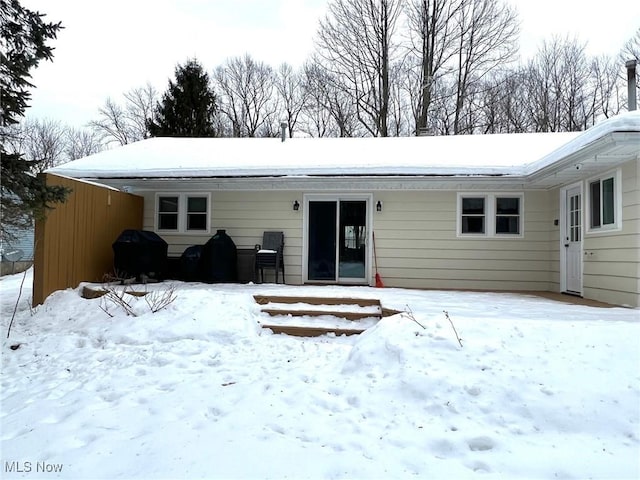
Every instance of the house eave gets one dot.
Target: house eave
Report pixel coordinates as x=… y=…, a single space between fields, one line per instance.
x=321 y=183
x=608 y=151
x=499 y=162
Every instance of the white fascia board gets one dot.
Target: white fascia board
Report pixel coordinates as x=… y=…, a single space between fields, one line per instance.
x=328 y=184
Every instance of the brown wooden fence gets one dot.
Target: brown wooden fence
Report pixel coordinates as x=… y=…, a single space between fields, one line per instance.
x=73 y=244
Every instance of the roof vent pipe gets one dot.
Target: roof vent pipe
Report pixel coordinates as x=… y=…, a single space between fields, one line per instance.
x=283 y=130
x=631 y=84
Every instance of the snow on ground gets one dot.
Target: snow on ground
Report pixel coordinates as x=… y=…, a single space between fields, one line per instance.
x=540 y=389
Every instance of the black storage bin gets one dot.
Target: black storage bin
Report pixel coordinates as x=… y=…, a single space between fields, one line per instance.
x=190 y=263
x=140 y=254
x=218 y=261
x=246 y=265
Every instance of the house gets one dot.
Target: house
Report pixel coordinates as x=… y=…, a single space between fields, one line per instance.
x=16 y=244
x=16 y=251
x=553 y=212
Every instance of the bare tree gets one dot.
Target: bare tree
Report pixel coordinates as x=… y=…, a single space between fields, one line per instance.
x=487 y=32
x=492 y=107
x=290 y=87
x=502 y=105
x=46 y=143
x=246 y=91
x=139 y=107
x=316 y=119
x=82 y=143
x=631 y=51
x=609 y=86
x=113 y=125
x=511 y=95
x=562 y=93
x=401 y=118
x=343 y=111
x=433 y=40
x=356 y=41
x=440 y=121
x=42 y=141
x=329 y=110
x=411 y=84
x=126 y=123
x=631 y=48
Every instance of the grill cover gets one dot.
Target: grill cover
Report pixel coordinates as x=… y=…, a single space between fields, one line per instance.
x=139 y=253
x=219 y=259
x=190 y=263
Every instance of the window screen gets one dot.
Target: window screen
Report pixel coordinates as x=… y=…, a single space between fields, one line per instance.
x=508 y=215
x=196 y=213
x=168 y=213
x=473 y=215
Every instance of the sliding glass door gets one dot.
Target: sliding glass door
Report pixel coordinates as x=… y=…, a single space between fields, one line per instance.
x=352 y=239
x=322 y=241
x=337 y=234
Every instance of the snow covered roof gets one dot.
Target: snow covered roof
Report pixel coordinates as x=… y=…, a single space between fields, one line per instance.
x=625 y=122
x=497 y=154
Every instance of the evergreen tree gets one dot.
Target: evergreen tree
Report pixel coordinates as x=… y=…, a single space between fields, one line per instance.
x=23 y=36
x=188 y=106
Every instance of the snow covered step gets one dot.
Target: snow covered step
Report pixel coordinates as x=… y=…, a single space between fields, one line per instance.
x=305 y=331
x=351 y=316
x=362 y=302
x=318 y=313
x=347 y=308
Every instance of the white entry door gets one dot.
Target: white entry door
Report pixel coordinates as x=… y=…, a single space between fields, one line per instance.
x=573 y=241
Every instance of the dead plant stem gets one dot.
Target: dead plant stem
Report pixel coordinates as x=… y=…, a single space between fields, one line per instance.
x=15 y=309
x=446 y=314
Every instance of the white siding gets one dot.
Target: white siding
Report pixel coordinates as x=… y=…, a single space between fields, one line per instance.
x=417 y=245
x=23 y=241
x=245 y=216
x=416 y=239
x=553 y=198
x=612 y=260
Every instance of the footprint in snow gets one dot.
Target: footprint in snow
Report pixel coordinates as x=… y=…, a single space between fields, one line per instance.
x=353 y=401
x=479 y=467
x=160 y=361
x=277 y=429
x=111 y=397
x=474 y=391
x=481 y=444
x=213 y=412
x=546 y=391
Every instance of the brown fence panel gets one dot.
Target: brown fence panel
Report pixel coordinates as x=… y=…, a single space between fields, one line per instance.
x=73 y=244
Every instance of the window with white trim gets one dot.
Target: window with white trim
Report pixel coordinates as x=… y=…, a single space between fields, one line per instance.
x=182 y=212
x=490 y=214
x=473 y=215
x=508 y=215
x=604 y=199
x=197 y=213
x=168 y=212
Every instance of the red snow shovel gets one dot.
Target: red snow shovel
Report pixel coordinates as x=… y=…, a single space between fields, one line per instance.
x=379 y=283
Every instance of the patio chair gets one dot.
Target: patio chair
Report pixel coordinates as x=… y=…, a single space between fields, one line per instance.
x=270 y=254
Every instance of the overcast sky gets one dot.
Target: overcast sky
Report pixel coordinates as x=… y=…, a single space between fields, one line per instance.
x=110 y=47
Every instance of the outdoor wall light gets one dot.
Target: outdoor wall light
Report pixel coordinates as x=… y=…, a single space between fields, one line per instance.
x=379 y=206
x=296 y=205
